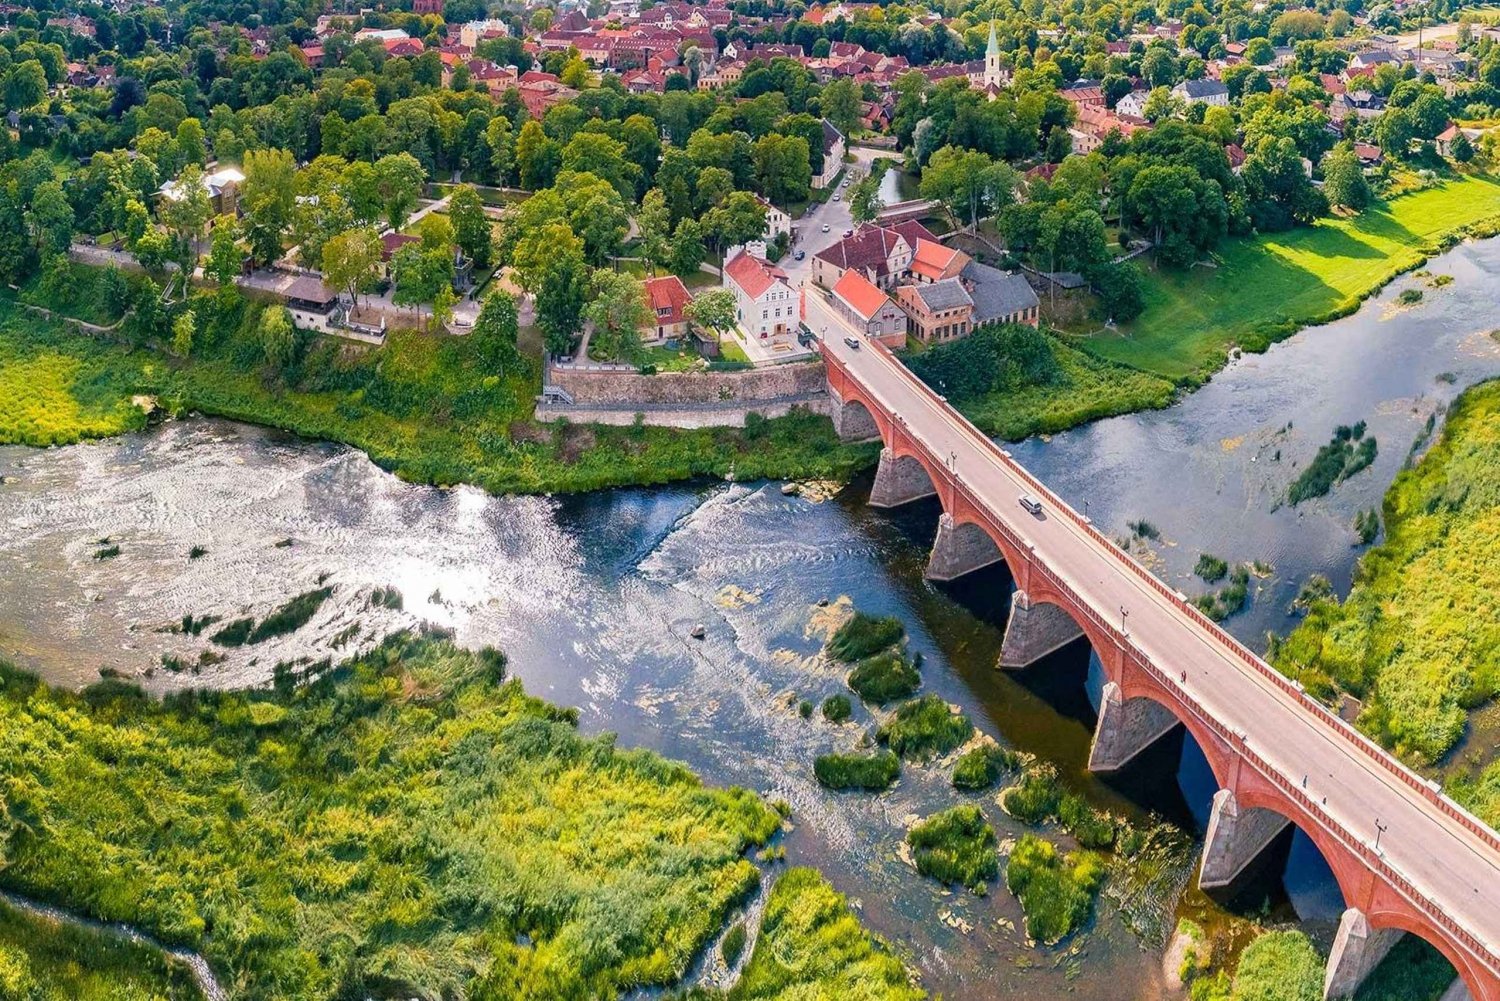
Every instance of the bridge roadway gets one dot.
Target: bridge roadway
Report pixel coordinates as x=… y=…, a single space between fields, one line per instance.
x=1443 y=857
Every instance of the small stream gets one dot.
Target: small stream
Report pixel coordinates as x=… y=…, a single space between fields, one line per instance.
x=595 y=599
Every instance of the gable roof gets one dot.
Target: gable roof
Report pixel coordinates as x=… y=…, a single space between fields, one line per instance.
x=869 y=248
x=754 y=275
x=946 y=294
x=996 y=293
x=933 y=261
x=668 y=299
x=860 y=294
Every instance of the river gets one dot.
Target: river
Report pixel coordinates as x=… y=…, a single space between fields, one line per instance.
x=595 y=598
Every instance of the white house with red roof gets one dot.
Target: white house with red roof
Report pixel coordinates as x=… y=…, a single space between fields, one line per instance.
x=866 y=306
x=765 y=304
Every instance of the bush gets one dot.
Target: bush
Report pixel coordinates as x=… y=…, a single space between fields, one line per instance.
x=869 y=772
x=1348 y=452
x=886 y=677
x=924 y=727
x=1121 y=289
x=864 y=635
x=1056 y=893
x=1211 y=568
x=994 y=357
x=836 y=708
x=956 y=846
x=982 y=767
x=1279 y=966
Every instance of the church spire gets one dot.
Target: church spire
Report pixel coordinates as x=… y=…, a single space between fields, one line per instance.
x=993 y=48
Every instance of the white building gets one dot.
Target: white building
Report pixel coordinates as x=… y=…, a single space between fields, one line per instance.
x=1132 y=104
x=1210 y=92
x=777 y=221
x=765 y=305
x=834 y=149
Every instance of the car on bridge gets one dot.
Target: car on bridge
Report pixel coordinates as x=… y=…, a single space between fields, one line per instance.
x=1031 y=504
x=852 y=343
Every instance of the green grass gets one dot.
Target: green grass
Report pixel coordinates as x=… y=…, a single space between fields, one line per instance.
x=1267 y=287
x=886 y=677
x=45 y=960
x=836 y=708
x=863 y=635
x=866 y=772
x=956 y=846
x=1056 y=891
x=412 y=824
x=923 y=727
x=423 y=407
x=1419 y=637
x=1347 y=453
x=811 y=947
x=982 y=767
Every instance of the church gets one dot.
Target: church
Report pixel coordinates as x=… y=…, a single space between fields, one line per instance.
x=989 y=76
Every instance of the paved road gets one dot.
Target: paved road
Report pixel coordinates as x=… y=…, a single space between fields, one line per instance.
x=834 y=214
x=1445 y=861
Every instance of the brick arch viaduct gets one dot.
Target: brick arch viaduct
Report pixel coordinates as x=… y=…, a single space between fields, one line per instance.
x=1406 y=858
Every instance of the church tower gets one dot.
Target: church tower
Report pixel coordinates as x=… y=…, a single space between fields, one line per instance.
x=993 y=74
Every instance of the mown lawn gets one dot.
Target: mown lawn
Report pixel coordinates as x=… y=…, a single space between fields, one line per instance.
x=1267 y=287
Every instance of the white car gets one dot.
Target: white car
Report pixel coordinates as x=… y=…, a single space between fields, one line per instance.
x=825 y=227
x=837 y=196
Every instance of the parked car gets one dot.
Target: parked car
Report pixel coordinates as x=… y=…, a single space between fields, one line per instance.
x=848 y=232
x=837 y=196
x=825 y=227
x=852 y=343
x=799 y=255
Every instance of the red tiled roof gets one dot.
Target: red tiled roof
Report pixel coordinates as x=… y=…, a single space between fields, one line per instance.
x=861 y=295
x=870 y=247
x=670 y=295
x=932 y=260
x=392 y=242
x=753 y=274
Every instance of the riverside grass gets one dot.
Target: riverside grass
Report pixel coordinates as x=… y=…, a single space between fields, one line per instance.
x=410 y=824
x=1418 y=639
x=421 y=406
x=1265 y=288
x=46 y=960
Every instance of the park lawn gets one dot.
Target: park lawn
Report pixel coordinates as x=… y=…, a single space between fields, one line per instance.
x=1265 y=288
x=695 y=282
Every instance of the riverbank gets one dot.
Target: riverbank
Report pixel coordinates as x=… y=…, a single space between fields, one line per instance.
x=1418 y=639
x=1265 y=288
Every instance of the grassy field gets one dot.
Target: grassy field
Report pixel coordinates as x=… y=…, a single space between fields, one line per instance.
x=1419 y=637
x=1267 y=287
x=421 y=406
x=44 y=960
x=413 y=824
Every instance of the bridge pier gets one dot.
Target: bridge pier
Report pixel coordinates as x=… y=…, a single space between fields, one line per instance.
x=1126 y=728
x=899 y=480
x=1357 y=950
x=1234 y=838
x=1034 y=630
x=1457 y=991
x=852 y=421
x=960 y=549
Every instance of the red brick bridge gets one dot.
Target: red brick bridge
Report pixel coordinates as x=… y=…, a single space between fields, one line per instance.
x=1406 y=858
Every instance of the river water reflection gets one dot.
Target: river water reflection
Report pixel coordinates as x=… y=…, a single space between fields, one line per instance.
x=595 y=599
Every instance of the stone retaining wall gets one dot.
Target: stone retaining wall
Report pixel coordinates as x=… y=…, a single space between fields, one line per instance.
x=681 y=390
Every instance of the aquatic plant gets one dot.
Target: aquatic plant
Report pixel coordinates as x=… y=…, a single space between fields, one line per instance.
x=1056 y=891
x=869 y=772
x=980 y=768
x=836 y=708
x=956 y=846
x=733 y=944
x=864 y=635
x=886 y=677
x=1348 y=452
x=923 y=727
x=1211 y=568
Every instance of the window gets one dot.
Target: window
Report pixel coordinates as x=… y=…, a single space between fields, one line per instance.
x=765 y=314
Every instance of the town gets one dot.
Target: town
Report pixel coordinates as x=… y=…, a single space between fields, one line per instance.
x=654 y=340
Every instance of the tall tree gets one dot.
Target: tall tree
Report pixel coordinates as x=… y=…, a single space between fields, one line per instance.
x=496 y=331
x=399 y=178
x=351 y=261
x=266 y=200
x=471 y=226
x=617 y=309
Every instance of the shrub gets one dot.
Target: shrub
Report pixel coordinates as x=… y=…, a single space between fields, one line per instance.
x=836 y=708
x=886 y=677
x=1093 y=828
x=924 y=727
x=1056 y=893
x=864 y=635
x=291 y=616
x=870 y=772
x=1367 y=526
x=1348 y=452
x=956 y=846
x=805 y=709
x=1211 y=568
x=982 y=767
x=1409 y=297
x=1279 y=966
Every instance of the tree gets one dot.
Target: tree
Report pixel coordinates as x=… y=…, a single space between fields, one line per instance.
x=864 y=198
x=687 y=251
x=713 y=310
x=1462 y=149
x=1278 y=192
x=25 y=86
x=560 y=297
x=654 y=220
x=782 y=169
x=471 y=226
x=277 y=336
x=351 y=261
x=538 y=157
x=183 y=329
x=496 y=331
x=191 y=146
x=153 y=250
x=1259 y=51
x=738 y=219
x=840 y=103
x=187 y=210
x=224 y=255
x=617 y=311
x=399 y=178
x=714 y=185
x=419 y=273
x=1344 y=179
x=51 y=219
x=1121 y=290
x=267 y=197
x=968 y=183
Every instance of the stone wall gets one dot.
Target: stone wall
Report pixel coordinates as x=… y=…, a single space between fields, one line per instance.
x=680 y=390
